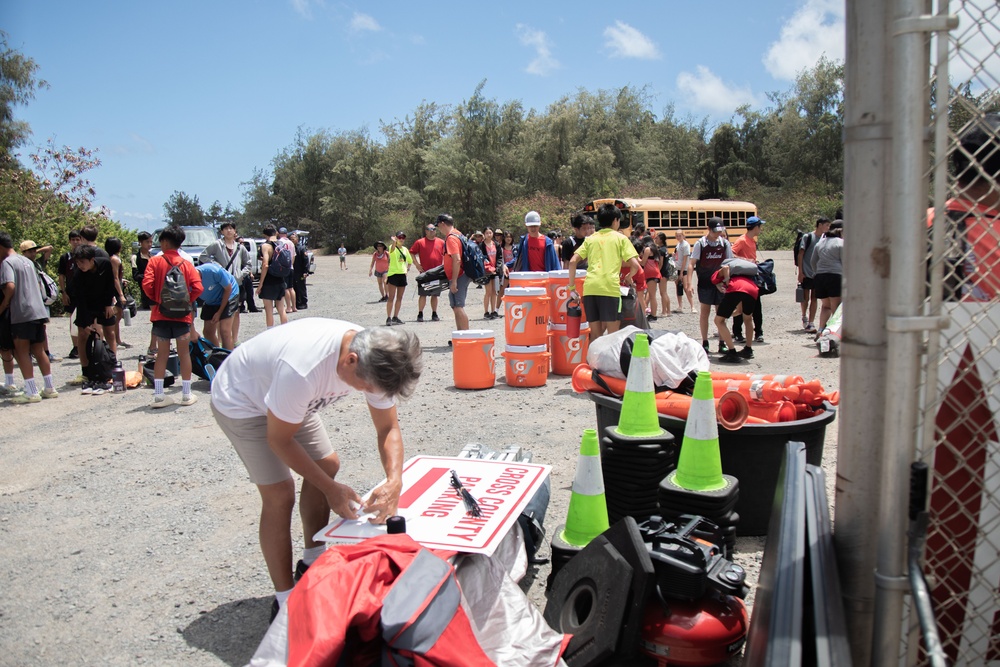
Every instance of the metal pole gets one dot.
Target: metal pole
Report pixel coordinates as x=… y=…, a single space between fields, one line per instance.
x=867 y=142
x=904 y=325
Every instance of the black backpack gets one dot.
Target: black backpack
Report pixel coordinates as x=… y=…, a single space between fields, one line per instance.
x=766 y=281
x=473 y=264
x=206 y=358
x=102 y=360
x=175 y=300
x=281 y=260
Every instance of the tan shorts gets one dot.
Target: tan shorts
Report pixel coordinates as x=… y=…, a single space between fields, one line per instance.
x=249 y=438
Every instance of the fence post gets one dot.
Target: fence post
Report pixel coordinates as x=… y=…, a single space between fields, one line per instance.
x=867 y=143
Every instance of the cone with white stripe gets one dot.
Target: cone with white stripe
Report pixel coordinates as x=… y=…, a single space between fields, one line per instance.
x=588 y=509
x=638 y=417
x=699 y=467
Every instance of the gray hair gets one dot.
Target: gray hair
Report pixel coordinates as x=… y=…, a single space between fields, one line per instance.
x=388 y=358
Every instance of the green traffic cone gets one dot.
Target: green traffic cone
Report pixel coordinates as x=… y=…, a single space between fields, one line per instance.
x=699 y=467
x=588 y=510
x=638 y=417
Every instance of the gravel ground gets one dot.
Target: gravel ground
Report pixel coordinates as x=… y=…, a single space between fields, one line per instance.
x=128 y=536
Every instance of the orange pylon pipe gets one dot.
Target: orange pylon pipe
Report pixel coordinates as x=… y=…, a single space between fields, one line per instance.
x=781 y=411
x=783 y=380
x=731 y=409
x=816 y=399
x=756 y=390
x=583 y=380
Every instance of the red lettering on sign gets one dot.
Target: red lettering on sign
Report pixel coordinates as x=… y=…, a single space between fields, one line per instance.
x=419 y=486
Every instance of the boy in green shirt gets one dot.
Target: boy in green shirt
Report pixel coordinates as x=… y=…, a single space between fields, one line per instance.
x=605 y=251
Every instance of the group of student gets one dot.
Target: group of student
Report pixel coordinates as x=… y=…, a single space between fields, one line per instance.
x=93 y=288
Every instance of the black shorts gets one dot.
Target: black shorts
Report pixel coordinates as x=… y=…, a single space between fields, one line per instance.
x=6 y=339
x=33 y=331
x=290 y=281
x=710 y=296
x=169 y=330
x=602 y=308
x=273 y=288
x=808 y=283
x=208 y=312
x=397 y=279
x=731 y=300
x=85 y=318
x=827 y=285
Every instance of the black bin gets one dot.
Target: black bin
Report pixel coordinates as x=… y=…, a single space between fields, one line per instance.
x=753 y=454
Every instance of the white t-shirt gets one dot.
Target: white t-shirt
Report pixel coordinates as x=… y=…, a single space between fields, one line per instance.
x=290 y=370
x=681 y=252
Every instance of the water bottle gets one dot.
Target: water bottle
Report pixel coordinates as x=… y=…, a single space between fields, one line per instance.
x=573 y=316
x=800 y=294
x=395 y=525
x=126 y=315
x=118 y=379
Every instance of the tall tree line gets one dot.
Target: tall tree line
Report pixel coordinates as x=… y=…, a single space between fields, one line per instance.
x=475 y=158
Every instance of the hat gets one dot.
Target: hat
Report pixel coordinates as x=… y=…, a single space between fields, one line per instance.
x=532 y=219
x=381 y=243
x=715 y=223
x=836 y=224
x=28 y=245
x=400 y=234
x=754 y=221
x=444 y=217
x=283 y=230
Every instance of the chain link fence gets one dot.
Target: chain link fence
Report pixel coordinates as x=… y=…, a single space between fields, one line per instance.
x=958 y=434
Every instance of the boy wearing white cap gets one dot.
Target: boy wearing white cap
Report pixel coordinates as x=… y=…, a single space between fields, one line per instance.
x=536 y=252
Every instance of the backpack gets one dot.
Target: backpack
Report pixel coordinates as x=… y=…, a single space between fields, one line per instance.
x=102 y=360
x=281 y=260
x=473 y=264
x=740 y=266
x=798 y=241
x=766 y=281
x=704 y=273
x=50 y=291
x=206 y=358
x=175 y=300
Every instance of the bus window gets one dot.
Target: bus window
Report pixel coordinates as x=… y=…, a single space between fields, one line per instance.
x=702 y=218
x=653 y=219
x=638 y=218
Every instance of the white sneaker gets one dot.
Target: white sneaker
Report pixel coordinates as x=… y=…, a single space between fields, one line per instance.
x=24 y=399
x=10 y=391
x=161 y=401
x=189 y=399
x=50 y=393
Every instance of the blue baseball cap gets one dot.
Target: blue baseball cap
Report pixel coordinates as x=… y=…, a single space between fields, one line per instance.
x=753 y=221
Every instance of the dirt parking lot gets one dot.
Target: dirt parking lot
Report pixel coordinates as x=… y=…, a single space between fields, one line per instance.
x=129 y=536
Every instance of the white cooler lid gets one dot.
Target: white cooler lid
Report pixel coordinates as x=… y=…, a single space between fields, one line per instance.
x=526 y=349
x=525 y=291
x=473 y=334
x=529 y=275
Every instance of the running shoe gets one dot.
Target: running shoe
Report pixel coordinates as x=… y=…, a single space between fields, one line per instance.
x=746 y=352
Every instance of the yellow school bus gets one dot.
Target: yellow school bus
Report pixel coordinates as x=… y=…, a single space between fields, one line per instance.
x=688 y=215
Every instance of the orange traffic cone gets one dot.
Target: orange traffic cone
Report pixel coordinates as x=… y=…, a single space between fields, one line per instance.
x=756 y=390
x=731 y=409
x=586 y=378
x=782 y=411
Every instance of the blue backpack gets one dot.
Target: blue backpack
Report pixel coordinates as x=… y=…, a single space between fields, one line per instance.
x=473 y=263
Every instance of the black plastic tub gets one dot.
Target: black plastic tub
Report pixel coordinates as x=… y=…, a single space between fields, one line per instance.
x=753 y=454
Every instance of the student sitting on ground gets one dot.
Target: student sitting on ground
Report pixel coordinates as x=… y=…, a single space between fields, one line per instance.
x=172 y=325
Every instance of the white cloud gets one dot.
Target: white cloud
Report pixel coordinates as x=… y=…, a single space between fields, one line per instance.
x=544 y=62
x=302 y=8
x=705 y=90
x=816 y=29
x=363 y=22
x=627 y=42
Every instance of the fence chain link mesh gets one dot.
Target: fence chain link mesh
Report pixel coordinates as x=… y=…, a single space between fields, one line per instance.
x=961 y=392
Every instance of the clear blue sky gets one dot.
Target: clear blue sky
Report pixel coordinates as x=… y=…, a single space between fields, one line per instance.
x=193 y=96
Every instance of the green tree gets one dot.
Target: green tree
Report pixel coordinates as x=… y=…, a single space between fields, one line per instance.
x=18 y=84
x=183 y=210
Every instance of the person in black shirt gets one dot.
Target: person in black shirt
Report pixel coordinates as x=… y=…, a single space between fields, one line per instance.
x=583 y=226
x=139 y=262
x=66 y=270
x=96 y=289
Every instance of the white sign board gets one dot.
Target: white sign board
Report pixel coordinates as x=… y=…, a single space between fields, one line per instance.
x=435 y=514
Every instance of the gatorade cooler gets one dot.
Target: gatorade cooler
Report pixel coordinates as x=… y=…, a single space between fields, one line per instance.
x=558 y=287
x=472 y=358
x=567 y=353
x=526 y=365
x=530 y=279
x=526 y=316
